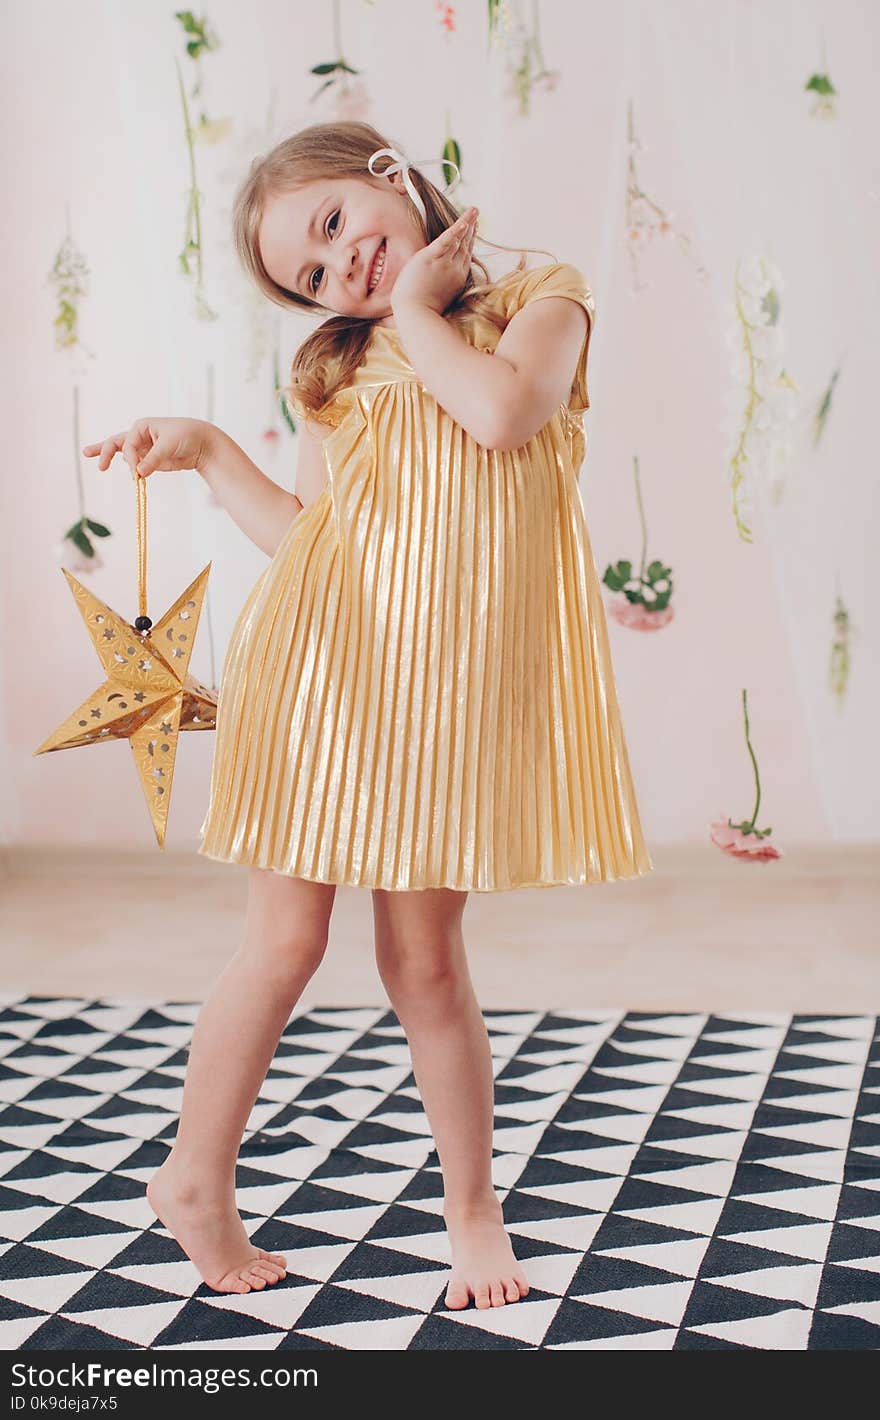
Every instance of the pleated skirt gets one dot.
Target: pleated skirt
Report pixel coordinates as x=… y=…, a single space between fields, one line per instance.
x=419 y=692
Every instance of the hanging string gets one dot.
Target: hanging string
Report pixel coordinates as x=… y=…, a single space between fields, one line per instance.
x=143 y=622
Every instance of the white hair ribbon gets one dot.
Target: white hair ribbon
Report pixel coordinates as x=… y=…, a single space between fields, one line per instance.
x=402 y=165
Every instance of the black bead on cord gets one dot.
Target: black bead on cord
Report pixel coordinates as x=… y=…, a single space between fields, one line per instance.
x=143 y=623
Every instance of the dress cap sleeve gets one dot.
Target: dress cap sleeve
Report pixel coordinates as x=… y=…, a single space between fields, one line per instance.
x=559 y=278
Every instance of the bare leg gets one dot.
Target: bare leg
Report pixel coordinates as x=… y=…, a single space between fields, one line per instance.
x=236 y=1033
x=421 y=959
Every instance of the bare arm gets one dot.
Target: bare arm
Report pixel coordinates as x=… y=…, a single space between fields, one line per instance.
x=501 y=399
x=472 y=386
x=542 y=343
x=261 y=508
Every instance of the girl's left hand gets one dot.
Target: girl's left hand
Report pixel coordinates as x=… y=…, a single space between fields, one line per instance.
x=435 y=275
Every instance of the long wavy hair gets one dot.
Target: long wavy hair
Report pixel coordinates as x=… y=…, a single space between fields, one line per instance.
x=327 y=359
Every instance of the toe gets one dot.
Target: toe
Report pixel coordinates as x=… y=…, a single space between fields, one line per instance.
x=496 y=1292
x=275 y=1257
x=511 y=1289
x=269 y=1274
x=229 y=1282
x=457 y=1295
x=256 y=1281
x=481 y=1295
x=233 y=1283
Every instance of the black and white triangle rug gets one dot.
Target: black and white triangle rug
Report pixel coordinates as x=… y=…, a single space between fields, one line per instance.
x=671 y=1181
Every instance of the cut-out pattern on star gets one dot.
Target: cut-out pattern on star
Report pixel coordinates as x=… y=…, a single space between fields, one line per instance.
x=149 y=697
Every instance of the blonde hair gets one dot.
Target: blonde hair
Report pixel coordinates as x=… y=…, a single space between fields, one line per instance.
x=327 y=359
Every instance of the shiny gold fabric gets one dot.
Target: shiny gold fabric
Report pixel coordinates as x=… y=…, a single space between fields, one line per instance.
x=418 y=692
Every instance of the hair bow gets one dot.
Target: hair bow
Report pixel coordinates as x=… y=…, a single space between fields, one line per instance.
x=402 y=165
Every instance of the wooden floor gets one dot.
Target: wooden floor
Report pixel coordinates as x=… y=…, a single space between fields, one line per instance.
x=702 y=932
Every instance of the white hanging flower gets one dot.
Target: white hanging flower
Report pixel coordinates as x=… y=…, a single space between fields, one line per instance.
x=67 y=554
x=761 y=402
x=212 y=130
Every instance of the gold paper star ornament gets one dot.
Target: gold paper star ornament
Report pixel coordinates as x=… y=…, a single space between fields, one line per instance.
x=149 y=697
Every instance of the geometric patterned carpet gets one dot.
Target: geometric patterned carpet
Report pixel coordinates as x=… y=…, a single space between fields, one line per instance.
x=677 y=1181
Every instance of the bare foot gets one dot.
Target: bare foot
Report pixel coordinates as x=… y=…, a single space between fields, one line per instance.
x=211 y=1234
x=483 y=1264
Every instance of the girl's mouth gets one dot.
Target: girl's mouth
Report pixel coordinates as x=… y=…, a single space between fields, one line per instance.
x=378 y=266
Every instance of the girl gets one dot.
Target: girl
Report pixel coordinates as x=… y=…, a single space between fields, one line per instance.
x=418 y=694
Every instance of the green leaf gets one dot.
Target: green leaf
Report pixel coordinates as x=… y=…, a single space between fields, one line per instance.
x=98 y=528
x=286 y=414
x=324 y=68
x=451 y=153
x=82 y=542
x=821 y=84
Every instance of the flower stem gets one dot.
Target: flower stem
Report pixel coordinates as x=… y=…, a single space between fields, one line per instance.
x=641 y=519
x=753 y=819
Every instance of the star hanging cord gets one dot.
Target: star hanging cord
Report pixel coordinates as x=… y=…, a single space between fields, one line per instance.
x=149 y=697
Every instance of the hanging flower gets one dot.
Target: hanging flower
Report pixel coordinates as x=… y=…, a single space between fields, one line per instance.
x=71 y=552
x=191 y=256
x=743 y=840
x=737 y=844
x=69 y=276
x=351 y=100
x=641 y=603
x=76 y=550
x=270 y=439
x=843 y=634
x=822 y=87
x=761 y=399
x=522 y=53
x=212 y=131
x=635 y=616
x=447 y=16
x=644 y=216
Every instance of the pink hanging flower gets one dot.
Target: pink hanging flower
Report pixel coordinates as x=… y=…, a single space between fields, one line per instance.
x=351 y=101
x=641 y=597
x=547 y=80
x=638 y=617
x=730 y=839
x=447 y=16
x=744 y=840
x=270 y=437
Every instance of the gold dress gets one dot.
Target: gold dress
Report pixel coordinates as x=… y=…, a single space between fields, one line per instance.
x=418 y=691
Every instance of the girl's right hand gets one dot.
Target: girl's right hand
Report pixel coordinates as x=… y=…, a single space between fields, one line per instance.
x=152 y=444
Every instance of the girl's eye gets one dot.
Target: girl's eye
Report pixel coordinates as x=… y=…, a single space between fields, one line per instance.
x=312 y=286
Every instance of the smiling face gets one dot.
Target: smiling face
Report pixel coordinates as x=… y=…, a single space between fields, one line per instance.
x=320 y=241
